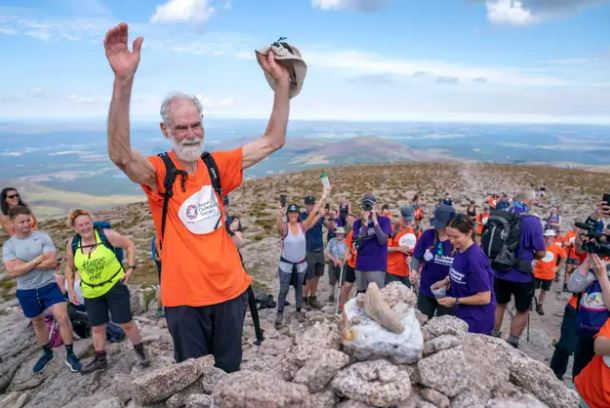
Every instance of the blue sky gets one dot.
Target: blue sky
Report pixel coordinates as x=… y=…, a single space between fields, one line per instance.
x=446 y=60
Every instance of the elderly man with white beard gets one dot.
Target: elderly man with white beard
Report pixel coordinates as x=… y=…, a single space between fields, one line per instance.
x=203 y=283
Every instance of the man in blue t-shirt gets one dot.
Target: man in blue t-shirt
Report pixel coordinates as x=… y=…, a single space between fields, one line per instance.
x=371 y=231
x=315 y=255
x=517 y=281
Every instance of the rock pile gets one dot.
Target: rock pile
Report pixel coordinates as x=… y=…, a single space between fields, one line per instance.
x=314 y=366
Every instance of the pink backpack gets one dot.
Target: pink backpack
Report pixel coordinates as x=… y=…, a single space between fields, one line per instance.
x=54 y=335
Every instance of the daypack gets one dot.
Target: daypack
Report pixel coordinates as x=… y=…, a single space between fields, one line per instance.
x=500 y=240
x=53 y=329
x=100 y=226
x=80 y=325
x=591 y=313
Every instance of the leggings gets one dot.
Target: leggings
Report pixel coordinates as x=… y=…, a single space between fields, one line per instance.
x=285 y=281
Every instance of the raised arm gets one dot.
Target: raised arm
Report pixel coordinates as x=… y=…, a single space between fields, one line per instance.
x=275 y=134
x=124 y=64
x=279 y=221
x=314 y=215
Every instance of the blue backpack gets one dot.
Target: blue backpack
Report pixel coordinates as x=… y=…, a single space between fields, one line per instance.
x=100 y=226
x=592 y=313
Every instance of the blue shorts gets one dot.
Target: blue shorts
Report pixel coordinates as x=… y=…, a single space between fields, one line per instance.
x=35 y=301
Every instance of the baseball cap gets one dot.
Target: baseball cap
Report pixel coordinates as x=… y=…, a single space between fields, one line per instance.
x=442 y=215
x=310 y=200
x=288 y=56
x=550 y=233
x=369 y=197
x=293 y=208
x=340 y=230
x=407 y=212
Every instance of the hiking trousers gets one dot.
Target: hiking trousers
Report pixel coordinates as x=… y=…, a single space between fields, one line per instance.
x=583 y=354
x=567 y=343
x=214 y=329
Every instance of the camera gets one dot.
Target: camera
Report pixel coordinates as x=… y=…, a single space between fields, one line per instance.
x=283 y=200
x=594 y=242
x=367 y=205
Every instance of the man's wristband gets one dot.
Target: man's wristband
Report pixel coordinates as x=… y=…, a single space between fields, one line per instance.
x=131 y=267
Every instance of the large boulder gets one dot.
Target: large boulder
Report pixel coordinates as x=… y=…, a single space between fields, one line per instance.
x=258 y=390
x=444 y=325
x=487 y=361
x=377 y=383
x=164 y=382
x=445 y=371
x=318 y=372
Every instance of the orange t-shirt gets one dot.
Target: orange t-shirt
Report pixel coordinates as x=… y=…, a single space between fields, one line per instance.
x=397 y=261
x=593 y=382
x=481 y=221
x=201 y=265
x=569 y=243
x=351 y=247
x=545 y=267
x=492 y=202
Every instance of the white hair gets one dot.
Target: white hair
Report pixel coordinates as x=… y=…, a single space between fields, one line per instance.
x=175 y=96
x=526 y=195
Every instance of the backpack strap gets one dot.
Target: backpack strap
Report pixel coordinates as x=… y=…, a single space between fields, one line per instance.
x=76 y=239
x=210 y=163
x=106 y=242
x=168 y=186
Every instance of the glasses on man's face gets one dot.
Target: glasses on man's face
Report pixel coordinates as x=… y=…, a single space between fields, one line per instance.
x=16 y=195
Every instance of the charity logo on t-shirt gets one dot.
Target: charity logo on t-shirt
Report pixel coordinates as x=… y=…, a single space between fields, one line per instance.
x=200 y=213
x=548 y=257
x=408 y=240
x=456 y=276
x=437 y=259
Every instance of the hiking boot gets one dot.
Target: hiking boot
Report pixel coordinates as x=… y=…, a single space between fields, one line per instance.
x=42 y=362
x=73 y=363
x=496 y=333
x=142 y=355
x=539 y=309
x=279 y=321
x=299 y=316
x=99 y=363
x=513 y=342
x=306 y=303
x=313 y=303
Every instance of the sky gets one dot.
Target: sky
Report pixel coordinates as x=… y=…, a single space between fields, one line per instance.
x=534 y=61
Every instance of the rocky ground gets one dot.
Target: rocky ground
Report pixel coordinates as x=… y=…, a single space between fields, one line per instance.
x=574 y=190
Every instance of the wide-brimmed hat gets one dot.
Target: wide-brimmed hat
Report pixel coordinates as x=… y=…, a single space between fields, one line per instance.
x=442 y=215
x=407 y=213
x=340 y=230
x=290 y=57
x=550 y=233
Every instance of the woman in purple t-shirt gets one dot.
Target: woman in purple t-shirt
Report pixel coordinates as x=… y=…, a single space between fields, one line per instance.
x=470 y=279
x=433 y=253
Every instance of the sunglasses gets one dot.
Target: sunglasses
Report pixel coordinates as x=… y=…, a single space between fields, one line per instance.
x=78 y=213
x=16 y=195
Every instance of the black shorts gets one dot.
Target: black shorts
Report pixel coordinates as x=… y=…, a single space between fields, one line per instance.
x=523 y=292
x=543 y=283
x=315 y=264
x=115 y=301
x=334 y=273
x=349 y=274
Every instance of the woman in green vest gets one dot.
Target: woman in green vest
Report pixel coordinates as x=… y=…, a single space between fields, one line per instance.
x=94 y=252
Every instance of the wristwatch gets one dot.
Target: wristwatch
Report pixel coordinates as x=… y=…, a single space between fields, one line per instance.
x=131 y=267
x=457 y=301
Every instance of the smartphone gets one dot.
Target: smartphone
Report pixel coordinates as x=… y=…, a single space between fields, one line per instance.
x=606 y=199
x=327 y=206
x=283 y=200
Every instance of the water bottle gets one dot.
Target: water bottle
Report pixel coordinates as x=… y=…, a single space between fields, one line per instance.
x=325 y=181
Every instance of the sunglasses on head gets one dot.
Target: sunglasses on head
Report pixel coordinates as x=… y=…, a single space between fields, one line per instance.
x=16 y=195
x=78 y=213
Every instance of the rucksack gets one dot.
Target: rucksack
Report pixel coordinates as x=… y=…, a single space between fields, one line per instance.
x=168 y=185
x=100 y=226
x=591 y=313
x=500 y=240
x=53 y=330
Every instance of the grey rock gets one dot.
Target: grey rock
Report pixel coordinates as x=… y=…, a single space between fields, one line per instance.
x=443 y=325
x=326 y=399
x=198 y=401
x=440 y=343
x=15 y=399
x=467 y=399
x=110 y=403
x=487 y=359
x=413 y=373
x=425 y=404
x=87 y=401
x=210 y=376
x=353 y=404
x=538 y=378
x=435 y=397
x=318 y=372
x=445 y=371
x=121 y=387
x=525 y=401
x=258 y=390
x=177 y=400
x=164 y=382
x=377 y=383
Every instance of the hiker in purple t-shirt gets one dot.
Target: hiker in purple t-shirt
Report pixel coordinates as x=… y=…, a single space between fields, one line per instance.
x=432 y=257
x=470 y=279
x=371 y=232
x=518 y=281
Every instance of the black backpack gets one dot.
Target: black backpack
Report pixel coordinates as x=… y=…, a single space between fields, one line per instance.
x=500 y=240
x=168 y=184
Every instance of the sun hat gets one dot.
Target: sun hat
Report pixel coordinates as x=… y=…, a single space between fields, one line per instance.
x=442 y=215
x=407 y=212
x=288 y=56
x=550 y=233
x=340 y=230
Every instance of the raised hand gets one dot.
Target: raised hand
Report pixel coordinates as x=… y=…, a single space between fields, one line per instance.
x=271 y=67
x=123 y=62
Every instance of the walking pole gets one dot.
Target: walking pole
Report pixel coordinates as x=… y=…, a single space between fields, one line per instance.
x=339 y=287
x=255 y=320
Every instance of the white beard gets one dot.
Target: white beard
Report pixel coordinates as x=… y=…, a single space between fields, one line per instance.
x=188 y=151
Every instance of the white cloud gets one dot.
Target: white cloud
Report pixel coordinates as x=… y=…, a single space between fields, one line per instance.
x=509 y=12
x=37 y=92
x=359 y=5
x=194 y=11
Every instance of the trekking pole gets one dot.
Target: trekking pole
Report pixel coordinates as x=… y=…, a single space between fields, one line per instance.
x=339 y=287
x=255 y=320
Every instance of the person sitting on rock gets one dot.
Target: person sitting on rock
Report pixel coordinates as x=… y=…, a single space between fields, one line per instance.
x=292 y=268
x=335 y=252
x=31 y=258
x=9 y=198
x=103 y=283
x=470 y=280
x=400 y=247
x=432 y=257
x=593 y=382
x=371 y=231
